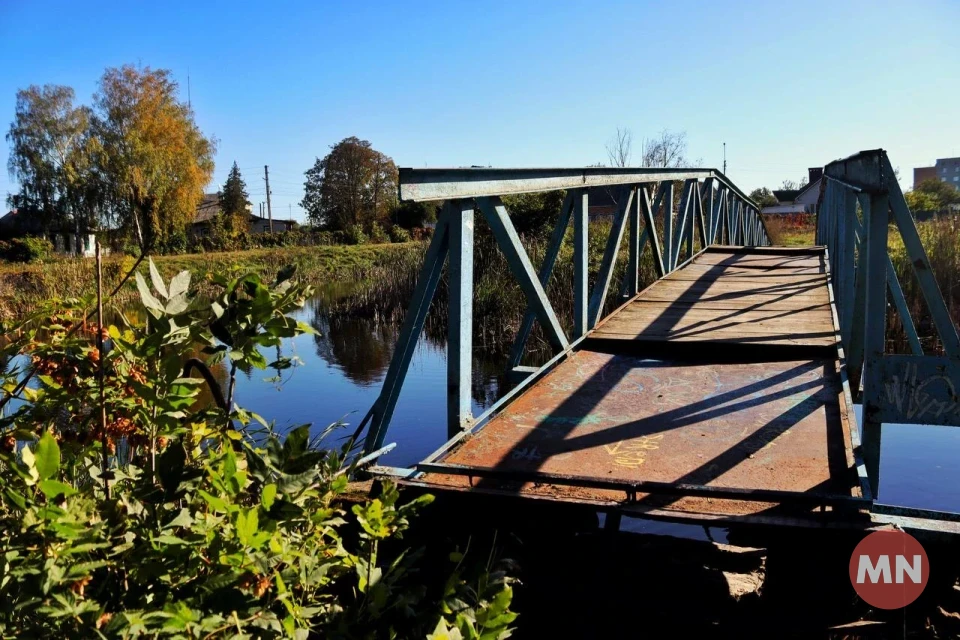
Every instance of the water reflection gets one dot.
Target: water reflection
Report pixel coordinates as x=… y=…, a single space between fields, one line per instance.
x=360 y=347
x=343 y=368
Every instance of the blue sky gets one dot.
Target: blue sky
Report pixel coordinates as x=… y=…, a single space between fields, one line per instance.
x=786 y=85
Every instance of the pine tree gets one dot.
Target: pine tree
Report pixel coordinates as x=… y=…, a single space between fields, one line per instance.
x=233 y=201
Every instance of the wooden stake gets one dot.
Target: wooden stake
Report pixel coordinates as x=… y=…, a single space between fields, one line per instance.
x=100 y=372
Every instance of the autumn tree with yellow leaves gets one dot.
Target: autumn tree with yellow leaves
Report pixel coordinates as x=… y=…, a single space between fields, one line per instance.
x=134 y=161
x=155 y=159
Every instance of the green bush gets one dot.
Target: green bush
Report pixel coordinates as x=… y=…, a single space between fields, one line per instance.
x=399 y=234
x=354 y=235
x=165 y=519
x=28 y=249
x=378 y=235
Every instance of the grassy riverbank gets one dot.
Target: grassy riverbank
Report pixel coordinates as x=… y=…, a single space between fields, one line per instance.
x=23 y=286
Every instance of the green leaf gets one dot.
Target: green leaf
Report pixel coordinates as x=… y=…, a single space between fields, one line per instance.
x=52 y=488
x=247 y=525
x=180 y=284
x=157 y=279
x=47 y=456
x=268 y=495
x=17 y=499
x=148 y=298
x=177 y=305
x=218 y=504
x=286 y=273
x=30 y=461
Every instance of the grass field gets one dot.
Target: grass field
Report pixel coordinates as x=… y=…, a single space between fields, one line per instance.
x=23 y=286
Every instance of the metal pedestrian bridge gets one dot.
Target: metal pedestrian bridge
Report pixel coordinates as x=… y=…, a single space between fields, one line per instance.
x=724 y=393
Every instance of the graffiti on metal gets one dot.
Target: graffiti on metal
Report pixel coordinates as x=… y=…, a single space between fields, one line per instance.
x=633 y=453
x=920 y=390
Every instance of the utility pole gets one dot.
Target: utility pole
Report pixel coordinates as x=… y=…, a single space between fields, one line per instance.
x=724 y=158
x=266 y=178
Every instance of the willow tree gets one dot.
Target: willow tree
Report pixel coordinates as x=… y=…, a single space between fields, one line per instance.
x=353 y=184
x=50 y=151
x=154 y=159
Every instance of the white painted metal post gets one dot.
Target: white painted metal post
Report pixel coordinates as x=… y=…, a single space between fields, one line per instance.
x=633 y=264
x=460 y=317
x=581 y=291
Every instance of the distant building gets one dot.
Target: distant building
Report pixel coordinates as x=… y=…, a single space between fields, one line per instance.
x=921 y=174
x=803 y=200
x=19 y=224
x=945 y=169
x=209 y=208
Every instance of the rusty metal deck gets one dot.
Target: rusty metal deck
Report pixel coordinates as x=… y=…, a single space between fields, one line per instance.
x=698 y=436
x=756 y=298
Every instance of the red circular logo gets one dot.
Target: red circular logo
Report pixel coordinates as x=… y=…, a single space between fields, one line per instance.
x=889 y=569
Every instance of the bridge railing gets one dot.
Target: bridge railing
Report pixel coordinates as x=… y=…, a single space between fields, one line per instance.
x=709 y=206
x=859 y=198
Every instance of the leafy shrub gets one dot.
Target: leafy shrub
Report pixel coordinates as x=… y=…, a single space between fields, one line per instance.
x=399 y=234
x=28 y=249
x=128 y=510
x=378 y=235
x=354 y=235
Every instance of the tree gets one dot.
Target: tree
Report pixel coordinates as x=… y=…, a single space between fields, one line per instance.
x=411 y=214
x=932 y=195
x=763 y=197
x=50 y=149
x=354 y=184
x=620 y=148
x=154 y=159
x=234 y=201
x=790 y=185
x=668 y=149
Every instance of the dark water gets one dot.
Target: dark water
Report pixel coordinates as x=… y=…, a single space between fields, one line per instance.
x=344 y=367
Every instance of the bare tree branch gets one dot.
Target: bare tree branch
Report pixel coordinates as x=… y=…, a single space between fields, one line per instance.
x=620 y=148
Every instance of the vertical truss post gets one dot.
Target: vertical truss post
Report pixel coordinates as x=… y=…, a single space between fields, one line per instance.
x=743 y=221
x=844 y=218
x=460 y=317
x=706 y=202
x=413 y=321
x=856 y=328
x=732 y=219
x=602 y=285
x=720 y=217
x=509 y=243
x=877 y=219
x=735 y=218
x=667 y=189
x=633 y=264
x=649 y=211
x=702 y=223
x=546 y=269
x=581 y=265
x=686 y=199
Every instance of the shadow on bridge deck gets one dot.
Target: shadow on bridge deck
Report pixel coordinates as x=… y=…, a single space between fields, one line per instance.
x=713 y=395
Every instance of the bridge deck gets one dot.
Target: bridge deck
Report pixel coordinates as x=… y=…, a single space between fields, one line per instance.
x=709 y=434
x=730 y=296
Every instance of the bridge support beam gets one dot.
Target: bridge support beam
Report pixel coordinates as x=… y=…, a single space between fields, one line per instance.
x=460 y=317
x=427 y=281
x=876 y=219
x=546 y=270
x=649 y=211
x=602 y=285
x=581 y=264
